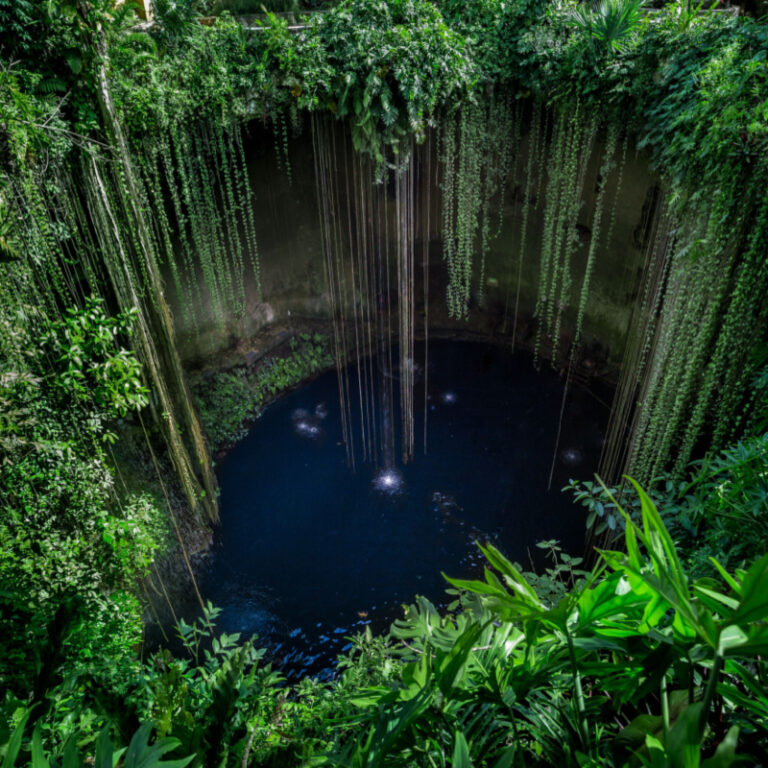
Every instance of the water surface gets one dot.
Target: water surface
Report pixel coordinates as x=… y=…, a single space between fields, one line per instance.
x=310 y=551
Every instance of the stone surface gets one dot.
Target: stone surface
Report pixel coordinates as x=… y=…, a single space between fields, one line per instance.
x=294 y=295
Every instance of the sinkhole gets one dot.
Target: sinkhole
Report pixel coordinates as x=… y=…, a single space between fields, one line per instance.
x=310 y=550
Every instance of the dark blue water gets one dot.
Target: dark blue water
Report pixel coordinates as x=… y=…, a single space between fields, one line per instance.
x=309 y=551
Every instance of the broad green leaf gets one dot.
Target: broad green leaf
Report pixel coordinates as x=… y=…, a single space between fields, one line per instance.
x=683 y=743
x=507 y=759
x=753 y=643
x=452 y=666
x=732 y=638
x=754 y=594
x=512 y=576
x=14 y=745
x=474 y=586
x=105 y=756
x=461 y=752
x=729 y=580
x=725 y=755
x=39 y=760
x=392 y=728
x=713 y=599
x=632 y=736
x=369 y=697
x=71 y=757
x=757 y=706
x=141 y=755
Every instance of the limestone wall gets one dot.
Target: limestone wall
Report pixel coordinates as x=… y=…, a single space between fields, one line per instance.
x=292 y=263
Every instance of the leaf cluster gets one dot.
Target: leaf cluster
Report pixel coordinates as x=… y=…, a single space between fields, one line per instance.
x=65 y=533
x=229 y=400
x=719 y=510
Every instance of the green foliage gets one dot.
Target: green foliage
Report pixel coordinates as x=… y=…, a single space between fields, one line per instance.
x=226 y=400
x=719 y=510
x=210 y=703
x=88 y=366
x=476 y=153
x=70 y=547
x=609 y=23
x=54 y=43
x=635 y=663
x=561 y=575
x=179 y=18
x=572 y=143
x=726 y=501
x=494 y=32
x=17 y=18
x=229 y=399
x=236 y=7
x=28 y=128
x=691 y=86
x=387 y=66
x=651 y=659
x=207 y=227
x=527 y=681
x=138 y=754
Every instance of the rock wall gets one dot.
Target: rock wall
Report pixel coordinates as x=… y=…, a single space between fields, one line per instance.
x=293 y=286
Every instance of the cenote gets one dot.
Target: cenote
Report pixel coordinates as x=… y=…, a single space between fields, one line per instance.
x=310 y=551
x=309 y=312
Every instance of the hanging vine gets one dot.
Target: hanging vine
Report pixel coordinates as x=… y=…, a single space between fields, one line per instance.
x=479 y=145
x=597 y=217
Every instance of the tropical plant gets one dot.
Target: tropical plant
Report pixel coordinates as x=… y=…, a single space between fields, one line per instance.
x=90 y=365
x=514 y=680
x=386 y=66
x=213 y=701
x=71 y=547
x=138 y=754
x=633 y=664
x=608 y=23
x=718 y=510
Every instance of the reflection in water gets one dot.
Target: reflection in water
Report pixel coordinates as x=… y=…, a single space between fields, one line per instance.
x=572 y=457
x=388 y=481
x=311 y=551
x=307 y=425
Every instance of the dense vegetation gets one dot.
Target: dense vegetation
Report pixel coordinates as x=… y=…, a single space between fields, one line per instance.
x=107 y=140
x=634 y=663
x=228 y=400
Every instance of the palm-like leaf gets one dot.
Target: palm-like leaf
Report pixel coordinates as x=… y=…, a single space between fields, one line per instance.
x=609 y=22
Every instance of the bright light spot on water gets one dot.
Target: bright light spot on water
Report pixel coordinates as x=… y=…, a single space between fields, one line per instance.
x=309 y=425
x=388 y=481
x=572 y=456
x=306 y=428
x=449 y=398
